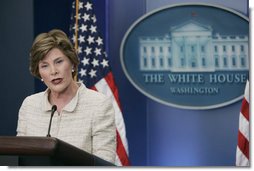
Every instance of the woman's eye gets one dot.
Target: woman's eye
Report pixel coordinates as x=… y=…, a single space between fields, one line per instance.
x=44 y=66
x=60 y=61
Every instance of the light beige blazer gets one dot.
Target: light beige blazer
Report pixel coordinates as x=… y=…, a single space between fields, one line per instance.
x=87 y=122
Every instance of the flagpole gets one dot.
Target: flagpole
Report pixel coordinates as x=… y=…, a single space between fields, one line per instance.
x=76 y=33
x=76 y=24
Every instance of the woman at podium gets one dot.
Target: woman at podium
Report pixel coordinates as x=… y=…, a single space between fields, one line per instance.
x=80 y=116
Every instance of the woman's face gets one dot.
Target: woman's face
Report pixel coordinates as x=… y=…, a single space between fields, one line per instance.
x=56 y=71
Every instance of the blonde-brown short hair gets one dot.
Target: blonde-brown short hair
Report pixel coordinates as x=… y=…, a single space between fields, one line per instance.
x=44 y=42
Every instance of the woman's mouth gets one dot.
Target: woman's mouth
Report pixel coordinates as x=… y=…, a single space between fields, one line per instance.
x=57 y=81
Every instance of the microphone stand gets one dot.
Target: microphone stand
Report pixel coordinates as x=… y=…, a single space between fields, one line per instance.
x=53 y=109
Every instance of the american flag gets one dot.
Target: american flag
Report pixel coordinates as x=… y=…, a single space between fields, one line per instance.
x=242 y=150
x=94 y=69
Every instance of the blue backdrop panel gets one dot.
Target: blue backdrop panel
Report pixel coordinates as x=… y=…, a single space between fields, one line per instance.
x=178 y=137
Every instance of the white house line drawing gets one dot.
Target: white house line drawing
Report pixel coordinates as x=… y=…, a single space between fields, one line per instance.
x=193 y=47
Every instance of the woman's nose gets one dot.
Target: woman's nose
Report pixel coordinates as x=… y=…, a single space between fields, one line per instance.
x=54 y=71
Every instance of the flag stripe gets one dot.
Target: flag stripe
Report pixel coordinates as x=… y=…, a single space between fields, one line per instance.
x=242 y=150
x=93 y=88
x=246 y=92
x=245 y=109
x=241 y=158
x=109 y=79
x=243 y=144
x=244 y=126
x=121 y=151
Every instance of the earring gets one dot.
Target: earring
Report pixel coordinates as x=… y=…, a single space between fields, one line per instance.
x=41 y=80
x=72 y=70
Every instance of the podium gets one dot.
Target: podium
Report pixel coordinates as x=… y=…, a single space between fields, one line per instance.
x=44 y=151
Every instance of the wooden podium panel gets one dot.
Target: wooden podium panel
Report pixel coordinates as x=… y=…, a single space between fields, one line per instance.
x=44 y=151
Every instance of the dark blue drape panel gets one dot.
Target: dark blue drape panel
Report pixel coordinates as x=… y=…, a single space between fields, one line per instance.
x=16 y=34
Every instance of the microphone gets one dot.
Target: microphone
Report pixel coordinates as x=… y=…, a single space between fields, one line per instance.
x=53 y=109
